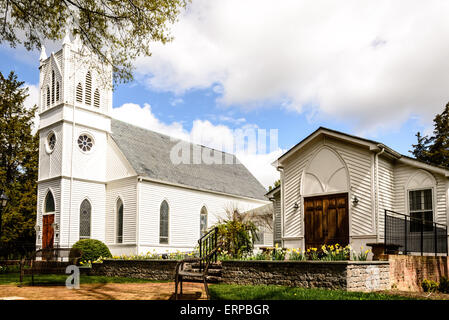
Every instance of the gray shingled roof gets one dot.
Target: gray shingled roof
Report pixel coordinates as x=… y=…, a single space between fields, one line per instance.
x=148 y=152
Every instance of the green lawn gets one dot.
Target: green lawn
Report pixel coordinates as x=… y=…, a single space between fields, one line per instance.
x=262 y=292
x=53 y=279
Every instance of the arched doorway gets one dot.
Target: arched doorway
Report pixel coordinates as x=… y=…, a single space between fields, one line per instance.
x=48 y=220
x=325 y=192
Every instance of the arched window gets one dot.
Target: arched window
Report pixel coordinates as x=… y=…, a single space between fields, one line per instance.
x=57 y=91
x=119 y=209
x=48 y=96
x=52 y=86
x=88 y=97
x=97 y=98
x=163 y=223
x=49 y=203
x=85 y=214
x=203 y=221
x=79 y=93
x=420 y=188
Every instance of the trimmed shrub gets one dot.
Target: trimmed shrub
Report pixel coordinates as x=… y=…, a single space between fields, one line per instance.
x=429 y=285
x=92 y=249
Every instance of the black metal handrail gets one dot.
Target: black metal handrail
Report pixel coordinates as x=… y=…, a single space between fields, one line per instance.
x=207 y=246
x=414 y=235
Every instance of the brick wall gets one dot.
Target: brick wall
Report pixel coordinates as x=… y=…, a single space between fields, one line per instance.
x=407 y=272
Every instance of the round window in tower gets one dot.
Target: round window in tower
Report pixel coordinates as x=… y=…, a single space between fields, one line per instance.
x=51 y=142
x=85 y=142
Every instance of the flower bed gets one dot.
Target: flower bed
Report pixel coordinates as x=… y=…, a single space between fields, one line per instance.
x=325 y=253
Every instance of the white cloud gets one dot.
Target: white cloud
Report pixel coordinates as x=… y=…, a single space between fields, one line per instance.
x=176 y=101
x=205 y=133
x=232 y=120
x=143 y=117
x=371 y=63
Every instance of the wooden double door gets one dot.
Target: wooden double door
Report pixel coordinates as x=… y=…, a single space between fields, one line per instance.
x=48 y=231
x=326 y=220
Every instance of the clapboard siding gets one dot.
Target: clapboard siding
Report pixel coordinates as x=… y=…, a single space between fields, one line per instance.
x=117 y=166
x=277 y=235
x=126 y=190
x=359 y=164
x=293 y=169
x=386 y=190
x=402 y=175
x=95 y=193
x=184 y=213
x=50 y=163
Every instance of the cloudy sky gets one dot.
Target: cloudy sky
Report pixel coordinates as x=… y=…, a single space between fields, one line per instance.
x=377 y=69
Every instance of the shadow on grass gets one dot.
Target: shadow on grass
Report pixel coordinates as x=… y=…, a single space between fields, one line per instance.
x=59 y=279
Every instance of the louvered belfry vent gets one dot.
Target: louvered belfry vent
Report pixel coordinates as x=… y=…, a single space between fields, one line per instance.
x=79 y=93
x=88 y=98
x=97 y=98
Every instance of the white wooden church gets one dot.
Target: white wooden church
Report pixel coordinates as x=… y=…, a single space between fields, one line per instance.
x=104 y=179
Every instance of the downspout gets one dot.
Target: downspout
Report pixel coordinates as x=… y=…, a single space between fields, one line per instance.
x=377 y=192
x=281 y=170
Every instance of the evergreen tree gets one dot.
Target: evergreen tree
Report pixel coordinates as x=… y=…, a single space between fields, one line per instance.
x=19 y=152
x=435 y=149
x=420 y=148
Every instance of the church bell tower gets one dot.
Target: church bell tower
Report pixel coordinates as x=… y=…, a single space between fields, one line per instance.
x=75 y=102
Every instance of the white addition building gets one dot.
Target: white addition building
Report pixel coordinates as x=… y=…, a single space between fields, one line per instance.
x=104 y=179
x=336 y=187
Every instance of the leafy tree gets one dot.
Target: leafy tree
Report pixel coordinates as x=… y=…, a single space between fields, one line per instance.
x=236 y=233
x=435 y=149
x=18 y=164
x=118 y=31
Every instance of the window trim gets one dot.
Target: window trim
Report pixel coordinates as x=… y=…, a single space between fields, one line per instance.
x=260 y=229
x=91 y=137
x=44 y=205
x=90 y=219
x=47 y=144
x=116 y=236
x=432 y=188
x=207 y=219
x=168 y=223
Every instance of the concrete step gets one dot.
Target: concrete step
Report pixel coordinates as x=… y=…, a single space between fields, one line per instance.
x=210 y=279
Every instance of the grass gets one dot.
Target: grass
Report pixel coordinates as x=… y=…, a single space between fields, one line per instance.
x=271 y=292
x=59 y=279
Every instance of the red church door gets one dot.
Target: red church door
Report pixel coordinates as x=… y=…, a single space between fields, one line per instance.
x=47 y=231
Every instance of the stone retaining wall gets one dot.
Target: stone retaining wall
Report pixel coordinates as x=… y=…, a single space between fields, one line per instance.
x=346 y=275
x=141 y=269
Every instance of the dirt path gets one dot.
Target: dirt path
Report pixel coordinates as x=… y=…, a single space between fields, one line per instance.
x=107 y=291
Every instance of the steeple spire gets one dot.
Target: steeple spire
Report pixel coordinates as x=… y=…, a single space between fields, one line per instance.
x=43 y=54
